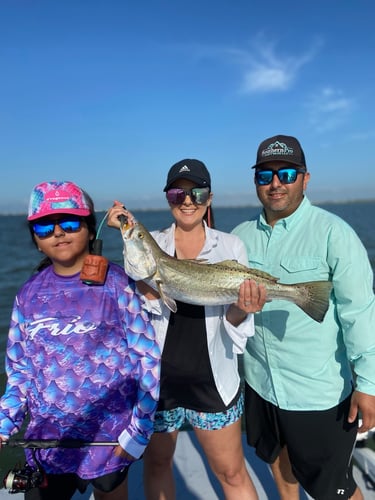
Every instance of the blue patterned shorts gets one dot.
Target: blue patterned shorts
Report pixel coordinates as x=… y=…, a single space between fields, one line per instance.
x=171 y=420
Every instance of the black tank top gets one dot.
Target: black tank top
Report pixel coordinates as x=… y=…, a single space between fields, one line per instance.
x=186 y=374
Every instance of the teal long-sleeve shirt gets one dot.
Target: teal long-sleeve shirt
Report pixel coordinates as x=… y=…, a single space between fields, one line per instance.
x=293 y=361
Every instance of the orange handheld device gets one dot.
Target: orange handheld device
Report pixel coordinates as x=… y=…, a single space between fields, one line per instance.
x=95 y=266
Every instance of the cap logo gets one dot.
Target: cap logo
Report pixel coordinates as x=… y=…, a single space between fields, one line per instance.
x=277 y=148
x=57 y=195
x=185 y=168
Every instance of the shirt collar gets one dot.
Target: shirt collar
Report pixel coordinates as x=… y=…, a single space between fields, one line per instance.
x=211 y=239
x=291 y=220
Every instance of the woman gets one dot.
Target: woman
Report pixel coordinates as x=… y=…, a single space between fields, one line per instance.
x=71 y=367
x=200 y=383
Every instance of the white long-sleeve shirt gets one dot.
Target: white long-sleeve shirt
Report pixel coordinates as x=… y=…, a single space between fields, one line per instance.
x=224 y=340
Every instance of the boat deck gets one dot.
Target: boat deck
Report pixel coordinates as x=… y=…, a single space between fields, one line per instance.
x=195 y=481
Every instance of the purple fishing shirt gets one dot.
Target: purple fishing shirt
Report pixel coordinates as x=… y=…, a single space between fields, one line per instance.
x=82 y=363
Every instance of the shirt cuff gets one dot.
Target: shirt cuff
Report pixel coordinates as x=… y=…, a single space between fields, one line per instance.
x=239 y=334
x=130 y=445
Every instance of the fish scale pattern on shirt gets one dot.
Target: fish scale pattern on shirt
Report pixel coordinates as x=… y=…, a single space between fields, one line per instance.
x=78 y=353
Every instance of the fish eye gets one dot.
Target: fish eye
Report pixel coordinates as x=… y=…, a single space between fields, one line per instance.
x=140 y=236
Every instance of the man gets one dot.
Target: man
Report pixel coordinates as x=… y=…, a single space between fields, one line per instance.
x=302 y=401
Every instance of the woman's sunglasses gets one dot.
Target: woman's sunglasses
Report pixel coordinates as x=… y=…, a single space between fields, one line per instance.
x=45 y=229
x=285 y=175
x=198 y=195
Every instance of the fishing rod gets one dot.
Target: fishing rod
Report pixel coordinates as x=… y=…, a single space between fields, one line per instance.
x=22 y=479
x=54 y=443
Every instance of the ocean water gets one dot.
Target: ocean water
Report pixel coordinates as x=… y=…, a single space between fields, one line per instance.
x=19 y=256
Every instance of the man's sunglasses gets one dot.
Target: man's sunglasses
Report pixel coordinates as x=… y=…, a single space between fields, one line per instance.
x=198 y=195
x=285 y=175
x=45 y=229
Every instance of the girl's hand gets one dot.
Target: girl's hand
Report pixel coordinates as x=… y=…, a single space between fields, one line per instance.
x=120 y=452
x=114 y=213
x=3 y=441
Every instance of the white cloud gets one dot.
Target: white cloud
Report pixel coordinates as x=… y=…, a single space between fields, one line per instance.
x=363 y=136
x=265 y=66
x=269 y=69
x=266 y=79
x=328 y=109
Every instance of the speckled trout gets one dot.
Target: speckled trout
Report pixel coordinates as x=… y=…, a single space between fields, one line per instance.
x=198 y=282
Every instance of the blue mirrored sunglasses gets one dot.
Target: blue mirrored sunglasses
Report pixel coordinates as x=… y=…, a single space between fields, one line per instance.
x=45 y=229
x=198 y=195
x=285 y=175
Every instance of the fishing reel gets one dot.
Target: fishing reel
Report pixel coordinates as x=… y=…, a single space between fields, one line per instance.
x=22 y=479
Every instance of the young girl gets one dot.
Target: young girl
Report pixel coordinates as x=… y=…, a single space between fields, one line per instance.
x=82 y=360
x=200 y=383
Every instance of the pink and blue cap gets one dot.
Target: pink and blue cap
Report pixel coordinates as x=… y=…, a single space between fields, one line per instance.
x=57 y=197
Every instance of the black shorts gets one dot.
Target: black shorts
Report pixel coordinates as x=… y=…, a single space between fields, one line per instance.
x=320 y=443
x=63 y=486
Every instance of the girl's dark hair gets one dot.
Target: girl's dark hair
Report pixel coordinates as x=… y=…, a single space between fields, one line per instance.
x=91 y=226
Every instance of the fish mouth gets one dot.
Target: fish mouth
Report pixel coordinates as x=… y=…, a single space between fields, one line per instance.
x=126 y=227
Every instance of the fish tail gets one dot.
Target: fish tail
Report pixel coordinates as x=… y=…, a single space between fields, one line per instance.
x=314 y=300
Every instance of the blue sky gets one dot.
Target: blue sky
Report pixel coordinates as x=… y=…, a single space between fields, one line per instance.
x=111 y=93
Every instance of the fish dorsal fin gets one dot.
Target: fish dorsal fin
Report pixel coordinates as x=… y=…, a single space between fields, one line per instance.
x=256 y=273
